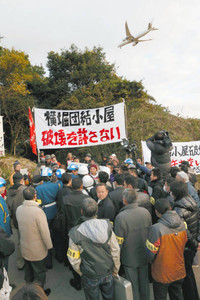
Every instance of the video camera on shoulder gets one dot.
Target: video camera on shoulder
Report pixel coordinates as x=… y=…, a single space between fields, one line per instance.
x=166 y=139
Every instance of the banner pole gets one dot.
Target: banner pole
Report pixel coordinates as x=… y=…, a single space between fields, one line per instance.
x=126 y=121
x=33 y=111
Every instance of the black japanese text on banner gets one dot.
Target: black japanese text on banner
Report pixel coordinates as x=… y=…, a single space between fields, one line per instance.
x=189 y=151
x=79 y=128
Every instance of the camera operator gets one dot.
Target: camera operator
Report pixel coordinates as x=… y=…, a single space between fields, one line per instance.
x=160 y=146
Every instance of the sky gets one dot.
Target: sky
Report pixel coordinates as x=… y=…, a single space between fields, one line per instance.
x=168 y=66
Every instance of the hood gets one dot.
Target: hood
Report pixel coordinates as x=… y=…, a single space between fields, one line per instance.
x=170 y=219
x=95 y=229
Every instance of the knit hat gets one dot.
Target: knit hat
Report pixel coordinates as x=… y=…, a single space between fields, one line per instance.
x=16 y=163
x=94 y=166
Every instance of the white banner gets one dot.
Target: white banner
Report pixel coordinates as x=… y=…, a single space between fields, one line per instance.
x=189 y=151
x=79 y=128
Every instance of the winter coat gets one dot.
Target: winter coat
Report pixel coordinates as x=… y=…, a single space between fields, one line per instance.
x=165 y=244
x=188 y=211
x=131 y=228
x=34 y=232
x=117 y=199
x=106 y=209
x=93 y=249
x=15 y=198
x=160 y=155
x=7 y=247
x=71 y=209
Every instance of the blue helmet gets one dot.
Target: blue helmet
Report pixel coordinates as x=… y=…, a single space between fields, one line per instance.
x=128 y=161
x=2 y=182
x=59 y=173
x=72 y=167
x=46 y=172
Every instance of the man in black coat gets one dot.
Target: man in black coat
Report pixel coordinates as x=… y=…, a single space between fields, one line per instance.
x=188 y=211
x=106 y=209
x=71 y=209
x=116 y=194
x=7 y=247
x=59 y=244
x=66 y=189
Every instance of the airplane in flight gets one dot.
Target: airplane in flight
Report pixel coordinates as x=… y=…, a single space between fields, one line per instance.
x=135 y=40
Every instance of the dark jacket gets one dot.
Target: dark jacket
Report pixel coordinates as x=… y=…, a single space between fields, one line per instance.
x=7 y=247
x=117 y=199
x=131 y=228
x=188 y=211
x=160 y=155
x=157 y=189
x=193 y=193
x=157 y=192
x=142 y=185
x=15 y=198
x=71 y=208
x=106 y=209
x=165 y=244
x=61 y=193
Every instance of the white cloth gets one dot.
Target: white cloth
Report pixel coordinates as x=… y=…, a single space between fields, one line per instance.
x=6 y=288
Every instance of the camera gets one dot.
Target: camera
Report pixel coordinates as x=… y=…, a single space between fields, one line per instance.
x=127 y=147
x=166 y=139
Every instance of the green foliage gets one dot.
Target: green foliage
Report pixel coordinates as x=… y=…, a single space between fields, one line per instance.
x=80 y=80
x=15 y=72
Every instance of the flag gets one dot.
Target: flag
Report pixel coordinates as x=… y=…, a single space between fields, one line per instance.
x=32 y=133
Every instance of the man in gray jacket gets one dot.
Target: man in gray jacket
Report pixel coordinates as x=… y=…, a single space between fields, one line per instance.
x=131 y=228
x=94 y=252
x=35 y=237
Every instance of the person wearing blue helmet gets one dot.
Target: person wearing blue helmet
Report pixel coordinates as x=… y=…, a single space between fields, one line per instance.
x=58 y=174
x=73 y=170
x=47 y=193
x=4 y=214
x=128 y=161
x=5 y=223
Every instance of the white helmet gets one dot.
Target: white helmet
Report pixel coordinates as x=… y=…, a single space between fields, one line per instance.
x=88 y=181
x=46 y=172
x=83 y=170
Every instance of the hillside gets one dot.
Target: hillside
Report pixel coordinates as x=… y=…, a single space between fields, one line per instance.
x=6 y=165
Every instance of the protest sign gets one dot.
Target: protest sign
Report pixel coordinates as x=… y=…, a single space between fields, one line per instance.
x=79 y=128
x=189 y=151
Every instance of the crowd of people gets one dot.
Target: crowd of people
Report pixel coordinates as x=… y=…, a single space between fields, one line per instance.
x=104 y=219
